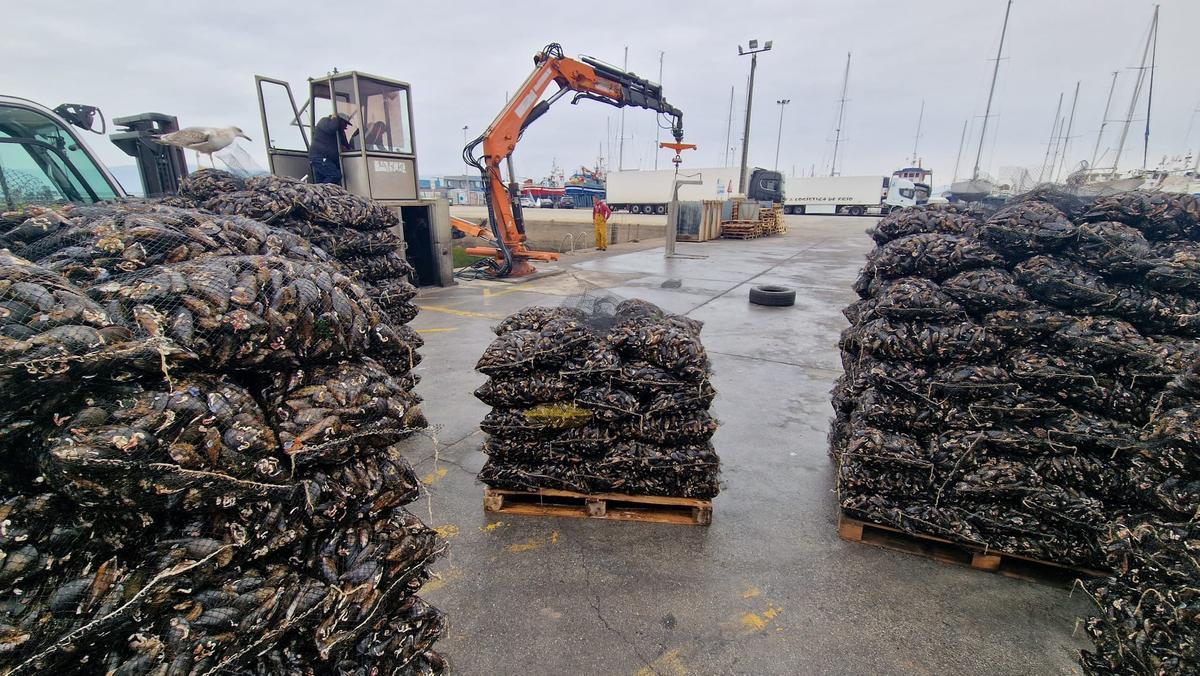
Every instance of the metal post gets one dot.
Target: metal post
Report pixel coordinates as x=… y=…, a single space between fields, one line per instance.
x=465 y=159
x=658 y=127
x=779 y=136
x=753 y=52
x=746 y=129
x=621 y=141
x=728 y=127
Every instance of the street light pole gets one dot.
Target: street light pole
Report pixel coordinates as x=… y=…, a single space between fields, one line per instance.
x=465 y=127
x=779 y=137
x=753 y=51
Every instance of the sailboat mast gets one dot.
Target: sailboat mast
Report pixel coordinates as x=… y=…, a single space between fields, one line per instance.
x=1067 y=138
x=991 y=92
x=1104 y=120
x=917 y=138
x=837 y=139
x=1150 y=91
x=1051 y=142
x=1137 y=90
x=962 y=140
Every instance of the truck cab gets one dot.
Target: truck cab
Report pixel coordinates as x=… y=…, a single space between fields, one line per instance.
x=765 y=185
x=43 y=161
x=901 y=193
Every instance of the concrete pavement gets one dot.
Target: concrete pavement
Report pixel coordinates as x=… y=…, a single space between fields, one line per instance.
x=768 y=588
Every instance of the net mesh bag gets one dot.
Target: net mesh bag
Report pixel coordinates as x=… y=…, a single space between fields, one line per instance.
x=1027 y=383
x=599 y=395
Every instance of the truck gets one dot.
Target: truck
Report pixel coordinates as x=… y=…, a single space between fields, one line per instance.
x=648 y=192
x=849 y=195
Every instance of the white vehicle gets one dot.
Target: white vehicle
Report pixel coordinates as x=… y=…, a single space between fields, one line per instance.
x=848 y=195
x=648 y=192
x=528 y=203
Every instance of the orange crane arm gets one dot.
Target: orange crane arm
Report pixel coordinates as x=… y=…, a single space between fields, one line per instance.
x=589 y=79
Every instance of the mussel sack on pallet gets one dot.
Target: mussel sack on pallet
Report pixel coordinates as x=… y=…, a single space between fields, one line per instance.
x=201 y=465
x=1025 y=382
x=612 y=399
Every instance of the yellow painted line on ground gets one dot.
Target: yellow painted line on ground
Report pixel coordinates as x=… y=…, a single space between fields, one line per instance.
x=531 y=545
x=441 y=579
x=441 y=329
x=447 y=531
x=492 y=526
x=751 y=592
x=753 y=622
x=460 y=313
x=434 y=476
x=666 y=664
x=488 y=293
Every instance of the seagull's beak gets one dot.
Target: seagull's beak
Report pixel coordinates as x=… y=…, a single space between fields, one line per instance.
x=245 y=137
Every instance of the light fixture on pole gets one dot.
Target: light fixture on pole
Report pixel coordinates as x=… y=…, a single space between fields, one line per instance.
x=465 y=179
x=753 y=50
x=779 y=137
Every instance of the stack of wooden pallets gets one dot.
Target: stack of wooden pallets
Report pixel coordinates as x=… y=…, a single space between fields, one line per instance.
x=741 y=229
x=772 y=220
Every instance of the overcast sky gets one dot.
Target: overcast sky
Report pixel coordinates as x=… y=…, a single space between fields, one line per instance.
x=461 y=59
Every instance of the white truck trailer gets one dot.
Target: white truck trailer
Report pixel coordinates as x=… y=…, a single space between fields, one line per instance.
x=848 y=195
x=648 y=192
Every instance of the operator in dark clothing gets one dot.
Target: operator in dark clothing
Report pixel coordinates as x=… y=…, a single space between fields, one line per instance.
x=329 y=139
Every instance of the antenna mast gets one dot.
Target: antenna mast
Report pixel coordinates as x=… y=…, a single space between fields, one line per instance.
x=991 y=91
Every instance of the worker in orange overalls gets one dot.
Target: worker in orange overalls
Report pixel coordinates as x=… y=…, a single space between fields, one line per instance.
x=600 y=214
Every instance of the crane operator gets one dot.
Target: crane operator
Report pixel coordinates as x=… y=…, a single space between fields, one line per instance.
x=324 y=155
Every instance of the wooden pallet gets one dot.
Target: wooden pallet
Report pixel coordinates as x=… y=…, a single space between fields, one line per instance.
x=741 y=229
x=962 y=554
x=552 y=502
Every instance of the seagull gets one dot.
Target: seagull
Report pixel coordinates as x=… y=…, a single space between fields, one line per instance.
x=207 y=140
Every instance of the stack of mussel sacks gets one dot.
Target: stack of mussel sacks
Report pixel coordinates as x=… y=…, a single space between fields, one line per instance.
x=1028 y=382
x=355 y=231
x=201 y=421
x=599 y=402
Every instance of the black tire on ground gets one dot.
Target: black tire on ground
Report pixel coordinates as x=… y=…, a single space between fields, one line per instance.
x=635 y=209
x=856 y=211
x=788 y=211
x=660 y=209
x=774 y=296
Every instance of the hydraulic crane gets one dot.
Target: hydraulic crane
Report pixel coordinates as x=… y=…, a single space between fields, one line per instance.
x=590 y=79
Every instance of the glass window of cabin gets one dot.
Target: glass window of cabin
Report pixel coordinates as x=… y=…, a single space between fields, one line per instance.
x=385 y=109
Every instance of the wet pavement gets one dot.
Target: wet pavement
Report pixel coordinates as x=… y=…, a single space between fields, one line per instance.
x=768 y=588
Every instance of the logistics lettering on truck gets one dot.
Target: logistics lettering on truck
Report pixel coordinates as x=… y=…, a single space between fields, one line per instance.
x=648 y=192
x=848 y=195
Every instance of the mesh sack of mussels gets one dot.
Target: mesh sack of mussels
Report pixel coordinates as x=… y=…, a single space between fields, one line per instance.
x=599 y=397
x=1148 y=614
x=201 y=468
x=355 y=231
x=1020 y=379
